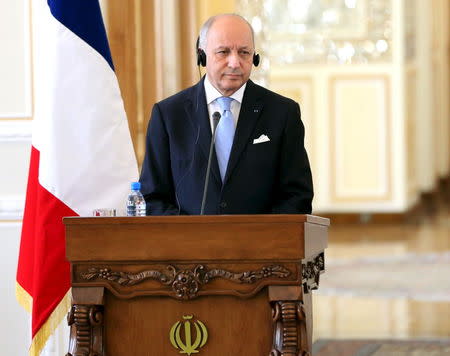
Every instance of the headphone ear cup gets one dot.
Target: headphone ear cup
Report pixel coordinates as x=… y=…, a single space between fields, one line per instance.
x=256 y=59
x=201 y=57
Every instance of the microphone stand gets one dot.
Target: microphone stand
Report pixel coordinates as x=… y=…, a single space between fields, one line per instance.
x=216 y=117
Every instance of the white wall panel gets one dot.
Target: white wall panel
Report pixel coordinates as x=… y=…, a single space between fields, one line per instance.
x=357 y=143
x=15 y=145
x=304 y=88
x=359 y=114
x=301 y=90
x=15 y=83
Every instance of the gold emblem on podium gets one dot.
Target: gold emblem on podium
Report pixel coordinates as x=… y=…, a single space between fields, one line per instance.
x=187 y=346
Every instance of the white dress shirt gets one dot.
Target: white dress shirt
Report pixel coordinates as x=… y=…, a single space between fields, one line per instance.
x=212 y=94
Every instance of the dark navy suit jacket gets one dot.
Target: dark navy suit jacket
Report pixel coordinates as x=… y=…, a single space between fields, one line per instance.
x=262 y=178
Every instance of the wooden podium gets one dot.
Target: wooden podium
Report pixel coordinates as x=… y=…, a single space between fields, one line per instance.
x=206 y=285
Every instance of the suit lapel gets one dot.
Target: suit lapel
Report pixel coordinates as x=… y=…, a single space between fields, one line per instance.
x=250 y=111
x=197 y=111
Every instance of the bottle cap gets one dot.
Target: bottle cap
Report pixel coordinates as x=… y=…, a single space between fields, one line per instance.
x=135 y=186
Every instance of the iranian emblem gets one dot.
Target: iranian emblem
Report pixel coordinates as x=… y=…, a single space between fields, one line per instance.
x=180 y=331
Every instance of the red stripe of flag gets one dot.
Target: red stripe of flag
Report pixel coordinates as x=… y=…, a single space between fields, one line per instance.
x=43 y=271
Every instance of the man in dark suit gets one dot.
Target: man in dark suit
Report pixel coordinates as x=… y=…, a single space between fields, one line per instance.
x=259 y=165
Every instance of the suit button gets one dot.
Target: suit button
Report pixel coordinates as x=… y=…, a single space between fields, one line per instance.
x=223 y=204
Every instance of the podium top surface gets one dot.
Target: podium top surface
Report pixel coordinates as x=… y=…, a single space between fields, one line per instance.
x=198 y=219
x=187 y=238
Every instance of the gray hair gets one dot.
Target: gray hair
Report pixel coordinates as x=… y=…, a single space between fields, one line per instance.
x=207 y=25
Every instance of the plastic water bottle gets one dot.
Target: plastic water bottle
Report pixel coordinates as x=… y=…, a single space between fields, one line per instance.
x=136 y=203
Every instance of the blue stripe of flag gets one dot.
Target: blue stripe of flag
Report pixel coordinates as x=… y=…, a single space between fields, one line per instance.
x=84 y=18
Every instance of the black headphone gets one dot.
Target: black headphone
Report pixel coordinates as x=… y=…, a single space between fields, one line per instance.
x=201 y=56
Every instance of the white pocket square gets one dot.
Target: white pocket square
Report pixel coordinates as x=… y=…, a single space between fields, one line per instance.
x=261 y=139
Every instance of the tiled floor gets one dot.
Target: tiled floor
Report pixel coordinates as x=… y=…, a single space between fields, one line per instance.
x=395 y=281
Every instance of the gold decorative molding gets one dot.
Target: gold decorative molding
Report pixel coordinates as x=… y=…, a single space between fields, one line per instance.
x=410 y=131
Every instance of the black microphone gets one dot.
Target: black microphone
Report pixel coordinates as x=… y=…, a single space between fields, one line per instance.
x=216 y=118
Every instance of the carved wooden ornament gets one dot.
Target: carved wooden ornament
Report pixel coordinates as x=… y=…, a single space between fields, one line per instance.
x=289 y=338
x=86 y=322
x=187 y=282
x=311 y=271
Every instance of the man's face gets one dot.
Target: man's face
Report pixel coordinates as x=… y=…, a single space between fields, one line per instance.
x=229 y=54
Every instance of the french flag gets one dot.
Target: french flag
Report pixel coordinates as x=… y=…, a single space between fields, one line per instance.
x=82 y=156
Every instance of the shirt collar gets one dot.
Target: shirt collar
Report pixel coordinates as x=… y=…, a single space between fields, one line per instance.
x=212 y=93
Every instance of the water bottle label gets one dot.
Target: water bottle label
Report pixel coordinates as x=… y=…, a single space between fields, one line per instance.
x=136 y=205
x=131 y=210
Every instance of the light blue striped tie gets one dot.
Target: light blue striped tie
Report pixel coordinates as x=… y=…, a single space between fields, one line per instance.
x=224 y=134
